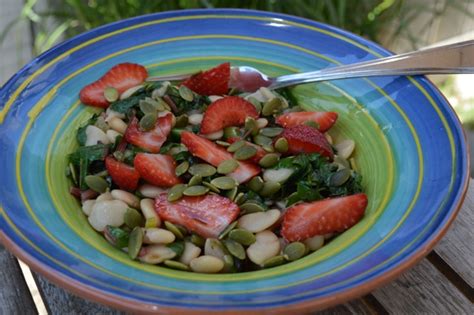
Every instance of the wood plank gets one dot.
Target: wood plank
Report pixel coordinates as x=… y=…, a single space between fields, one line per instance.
x=15 y=298
x=457 y=246
x=423 y=290
x=362 y=306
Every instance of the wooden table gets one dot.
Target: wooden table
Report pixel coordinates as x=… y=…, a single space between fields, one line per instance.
x=442 y=283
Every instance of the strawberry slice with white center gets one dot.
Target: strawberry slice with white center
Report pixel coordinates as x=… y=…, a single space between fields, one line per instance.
x=214 y=155
x=332 y=215
x=206 y=215
x=325 y=120
x=150 y=140
x=157 y=169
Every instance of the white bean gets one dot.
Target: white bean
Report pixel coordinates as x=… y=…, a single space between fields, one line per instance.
x=259 y=221
x=108 y=212
x=206 y=264
x=130 y=91
x=267 y=93
x=87 y=206
x=155 y=254
x=118 y=125
x=266 y=246
x=195 y=119
x=215 y=135
x=95 y=135
x=214 y=98
x=105 y=196
x=190 y=252
x=129 y=198
x=148 y=209
x=112 y=135
x=280 y=175
x=262 y=123
x=110 y=113
x=345 y=148
x=150 y=191
x=328 y=138
x=315 y=242
x=158 y=236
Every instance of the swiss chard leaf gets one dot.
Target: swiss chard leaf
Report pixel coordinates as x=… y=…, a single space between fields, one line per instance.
x=123 y=106
x=118 y=236
x=89 y=153
x=81 y=132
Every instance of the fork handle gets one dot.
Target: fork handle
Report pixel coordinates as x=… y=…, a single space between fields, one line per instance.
x=456 y=58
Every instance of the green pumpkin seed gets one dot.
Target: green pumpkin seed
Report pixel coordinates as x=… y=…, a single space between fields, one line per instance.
x=186 y=93
x=224 y=182
x=147 y=107
x=177 y=247
x=256 y=104
x=240 y=198
x=269 y=188
x=211 y=187
x=173 y=264
x=272 y=106
x=281 y=145
x=181 y=121
x=242 y=236
x=227 y=166
x=268 y=148
x=229 y=228
x=228 y=263
x=245 y=152
x=274 y=261
x=223 y=143
x=195 y=180
x=133 y=218
x=96 y=183
x=101 y=124
x=236 y=249
x=294 y=251
x=269 y=160
x=255 y=183
x=340 y=177
x=181 y=168
x=197 y=190
x=176 y=192
x=262 y=140
x=174 y=229
x=236 y=146
x=251 y=125
x=202 y=169
x=197 y=240
x=271 y=132
x=135 y=242
x=311 y=123
x=251 y=207
x=111 y=94
x=231 y=194
x=148 y=121
x=231 y=132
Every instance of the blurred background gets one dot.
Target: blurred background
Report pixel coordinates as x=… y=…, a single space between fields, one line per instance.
x=30 y=27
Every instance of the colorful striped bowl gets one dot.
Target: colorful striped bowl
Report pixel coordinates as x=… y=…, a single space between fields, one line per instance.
x=410 y=150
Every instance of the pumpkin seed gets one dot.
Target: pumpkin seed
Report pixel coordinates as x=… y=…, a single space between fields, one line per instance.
x=173 y=264
x=227 y=166
x=251 y=125
x=135 y=242
x=228 y=263
x=294 y=251
x=315 y=242
x=242 y=236
x=262 y=140
x=269 y=160
x=251 y=207
x=256 y=103
x=231 y=194
x=236 y=249
x=197 y=190
x=148 y=121
x=269 y=188
x=186 y=93
x=195 y=180
x=174 y=229
x=271 y=132
x=133 y=218
x=211 y=187
x=202 y=169
x=272 y=106
x=197 y=240
x=277 y=175
x=176 y=192
x=281 y=145
x=177 y=247
x=223 y=143
x=274 y=261
x=340 y=177
x=231 y=132
x=269 y=148
x=96 y=183
x=240 y=198
x=312 y=124
x=181 y=121
x=245 y=152
x=236 y=146
x=224 y=182
x=262 y=123
x=182 y=229
x=181 y=168
x=111 y=94
x=147 y=107
x=226 y=231
x=256 y=183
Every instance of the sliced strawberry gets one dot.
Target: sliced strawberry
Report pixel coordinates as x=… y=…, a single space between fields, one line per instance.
x=225 y=112
x=214 y=81
x=157 y=169
x=123 y=175
x=122 y=77
x=206 y=215
x=153 y=139
x=214 y=154
x=325 y=120
x=260 y=152
x=306 y=139
x=321 y=217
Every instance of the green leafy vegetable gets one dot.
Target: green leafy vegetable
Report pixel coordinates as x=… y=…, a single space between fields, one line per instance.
x=123 y=106
x=81 y=132
x=118 y=236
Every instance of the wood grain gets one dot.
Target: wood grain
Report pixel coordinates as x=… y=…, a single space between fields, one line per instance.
x=15 y=296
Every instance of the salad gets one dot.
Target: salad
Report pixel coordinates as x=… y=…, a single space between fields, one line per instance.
x=196 y=176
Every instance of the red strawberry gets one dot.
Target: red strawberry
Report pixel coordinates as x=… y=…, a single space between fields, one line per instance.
x=306 y=139
x=122 y=77
x=214 y=81
x=260 y=152
x=227 y=111
x=214 y=154
x=321 y=217
x=325 y=120
x=151 y=140
x=125 y=176
x=157 y=169
x=206 y=215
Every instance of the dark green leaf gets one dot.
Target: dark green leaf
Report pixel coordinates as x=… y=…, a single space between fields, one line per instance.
x=123 y=106
x=119 y=236
x=177 y=247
